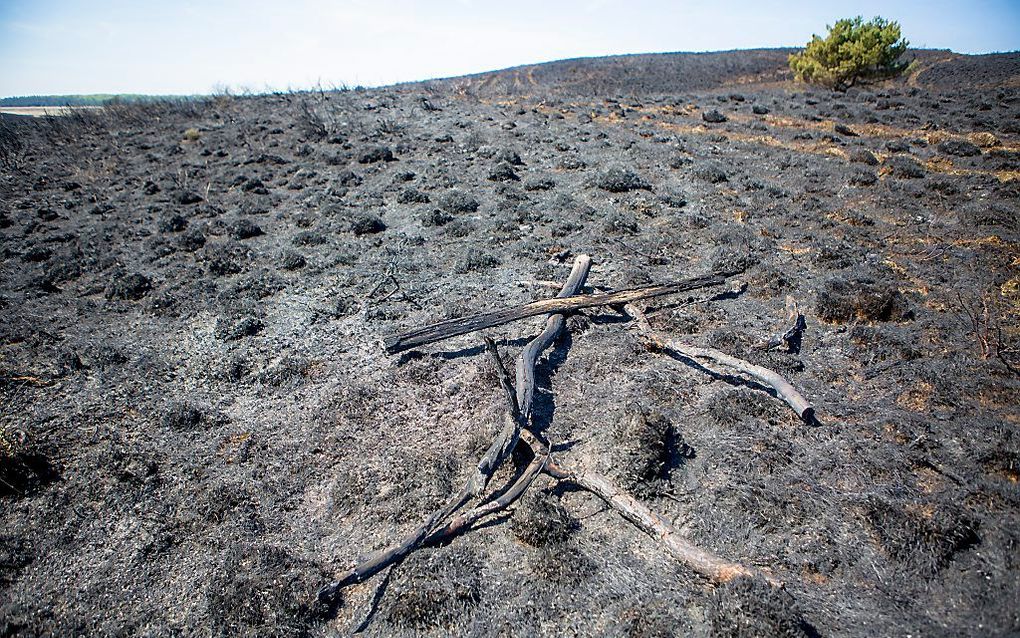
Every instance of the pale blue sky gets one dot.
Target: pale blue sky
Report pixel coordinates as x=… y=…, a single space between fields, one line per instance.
x=124 y=46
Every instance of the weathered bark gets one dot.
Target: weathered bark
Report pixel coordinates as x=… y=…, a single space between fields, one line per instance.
x=559 y=305
x=704 y=562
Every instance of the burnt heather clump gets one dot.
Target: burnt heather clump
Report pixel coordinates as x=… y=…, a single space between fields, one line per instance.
x=200 y=427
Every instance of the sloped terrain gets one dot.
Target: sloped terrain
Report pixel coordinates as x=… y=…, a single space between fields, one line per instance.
x=201 y=428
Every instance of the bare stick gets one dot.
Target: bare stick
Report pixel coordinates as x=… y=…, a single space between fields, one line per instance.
x=464 y=325
x=553 y=325
x=704 y=562
x=522 y=404
x=783 y=388
x=541 y=459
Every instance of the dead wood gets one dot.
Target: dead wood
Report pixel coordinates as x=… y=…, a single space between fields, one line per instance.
x=704 y=562
x=783 y=388
x=791 y=337
x=472 y=323
x=553 y=325
x=517 y=430
x=519 y=401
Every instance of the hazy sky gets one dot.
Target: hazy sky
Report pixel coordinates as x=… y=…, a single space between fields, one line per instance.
x=142 y=46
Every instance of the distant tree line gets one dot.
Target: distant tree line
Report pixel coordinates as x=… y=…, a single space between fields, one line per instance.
x=98 y=99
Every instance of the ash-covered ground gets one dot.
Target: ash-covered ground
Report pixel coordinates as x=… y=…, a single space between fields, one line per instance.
x=200 y=426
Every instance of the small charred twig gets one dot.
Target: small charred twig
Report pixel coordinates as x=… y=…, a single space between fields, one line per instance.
x=792 y=336
x=540 y=458
x=783 y=388
x=560 y=305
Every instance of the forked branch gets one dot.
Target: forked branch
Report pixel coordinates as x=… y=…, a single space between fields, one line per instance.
x=784 y=389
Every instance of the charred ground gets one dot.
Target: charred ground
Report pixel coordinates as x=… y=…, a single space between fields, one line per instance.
x=200 y=427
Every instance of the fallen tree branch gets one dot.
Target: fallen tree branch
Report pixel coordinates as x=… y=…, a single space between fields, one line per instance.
x=706 y=563
x=553 y=326
x=497 y=453
x=559 y=305
x=518 y=430
x=783 y=388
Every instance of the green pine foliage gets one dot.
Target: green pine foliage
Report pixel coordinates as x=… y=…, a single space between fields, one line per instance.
x=855 y=51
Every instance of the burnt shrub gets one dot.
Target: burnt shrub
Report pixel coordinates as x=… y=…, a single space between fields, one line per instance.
x=473 y=260
x=292 y=260
x=25 y=464
x=542 y=520
x=712 y=174
x=620 y=223
x=648 y=446
x=130 y=286
x=364 y=223
x=713 y=117
x=923 y=537
x=191 y=240
x=621 y=180
x=262 y=590
x=862 y=177
x=456 y=201
x=235 y=329
x=435 y=589
x=503 y=172
x=226 y=258
x=436 y=217
x=902 y=166
x=172 y=223
x=375 y=154
x=181 y=415
x=244 y=229
x=412 y=196
x=863 y=156
x=959 y=148
x=861 y=298
x=751 y=607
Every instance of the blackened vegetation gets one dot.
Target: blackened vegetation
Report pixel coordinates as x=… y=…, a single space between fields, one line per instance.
x=11 y=146
x=436 y=590
x=649 y=447
x=924 y=536
x=863 y=298
x=25 y=464
x=199 y=427
x=746 y=608
x=543 y=520
x=261 y=590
